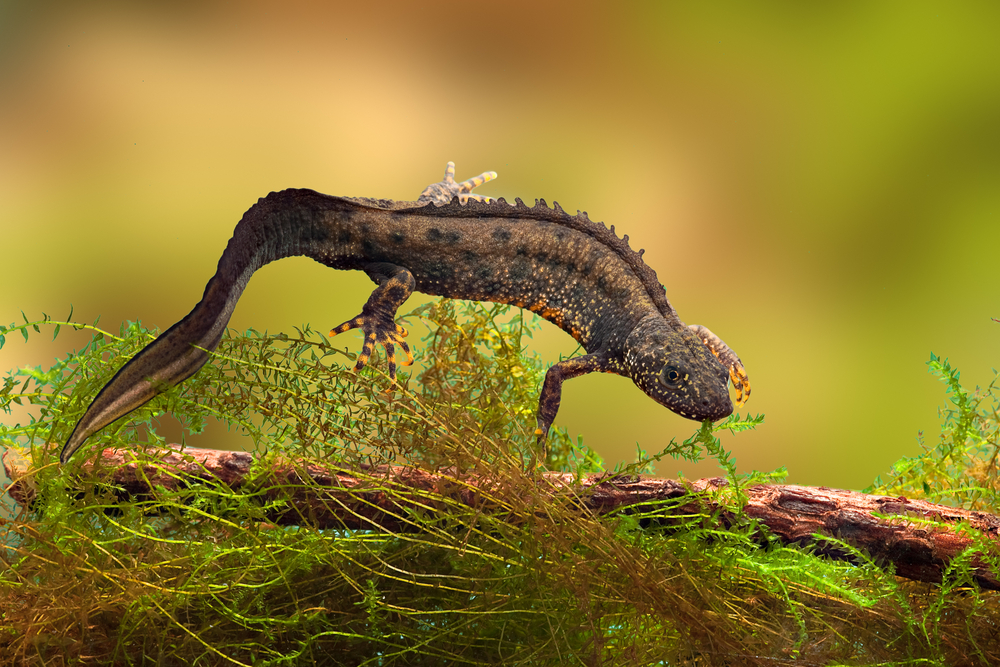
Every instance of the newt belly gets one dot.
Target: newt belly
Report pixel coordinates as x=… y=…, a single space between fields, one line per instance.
x=573 y=272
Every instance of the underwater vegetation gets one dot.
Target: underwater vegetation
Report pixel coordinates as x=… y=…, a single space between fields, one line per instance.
x=197 y=576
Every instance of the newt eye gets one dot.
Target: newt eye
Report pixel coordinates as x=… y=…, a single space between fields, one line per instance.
x=670 y=376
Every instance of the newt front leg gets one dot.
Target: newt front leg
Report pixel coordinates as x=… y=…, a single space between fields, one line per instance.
x=551 y=396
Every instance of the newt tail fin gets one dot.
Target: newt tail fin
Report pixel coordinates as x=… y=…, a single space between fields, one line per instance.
x=181 y=350
x=173 y=357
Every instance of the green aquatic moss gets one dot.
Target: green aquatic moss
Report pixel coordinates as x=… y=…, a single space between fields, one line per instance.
x=195 y=576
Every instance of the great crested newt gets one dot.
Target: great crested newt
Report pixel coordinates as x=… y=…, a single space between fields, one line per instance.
x=573 y=272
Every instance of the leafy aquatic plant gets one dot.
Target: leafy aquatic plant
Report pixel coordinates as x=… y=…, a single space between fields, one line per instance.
x=194 y=576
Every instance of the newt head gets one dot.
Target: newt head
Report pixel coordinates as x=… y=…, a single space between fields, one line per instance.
x=677 y=370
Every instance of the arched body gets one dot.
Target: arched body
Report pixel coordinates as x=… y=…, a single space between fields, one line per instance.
x=571 y=271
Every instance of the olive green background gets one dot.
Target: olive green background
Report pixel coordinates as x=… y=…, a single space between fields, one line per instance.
x=818 y=183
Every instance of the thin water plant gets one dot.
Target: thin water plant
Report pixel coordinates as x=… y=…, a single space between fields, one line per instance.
x=963 y=468
x=197 y=576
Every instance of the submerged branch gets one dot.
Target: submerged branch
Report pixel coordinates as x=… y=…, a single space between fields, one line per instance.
x=919 y=539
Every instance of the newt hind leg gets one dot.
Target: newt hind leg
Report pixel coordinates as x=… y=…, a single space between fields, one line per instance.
x=442 y=193
x=378 y=316
x=728 y=358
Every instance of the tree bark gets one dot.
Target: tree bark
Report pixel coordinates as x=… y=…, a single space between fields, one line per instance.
x=377 y=497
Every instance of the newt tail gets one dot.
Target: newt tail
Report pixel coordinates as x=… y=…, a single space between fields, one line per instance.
x=575 y=273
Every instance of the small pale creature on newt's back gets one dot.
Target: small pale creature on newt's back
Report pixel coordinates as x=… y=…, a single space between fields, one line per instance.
x=571 y=271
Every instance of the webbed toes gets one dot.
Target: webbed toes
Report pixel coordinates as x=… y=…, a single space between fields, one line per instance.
x=741 y=383
x=388 y=335
x=729 y=359
x=353 y=323
x=467 y=186
x=409 y=354
x=366 y=350
x=443 y=192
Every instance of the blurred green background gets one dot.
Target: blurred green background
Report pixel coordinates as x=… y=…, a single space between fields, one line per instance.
x=818 y=183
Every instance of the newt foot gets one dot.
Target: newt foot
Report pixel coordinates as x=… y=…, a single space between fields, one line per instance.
x=442 y=193
x=729 y=359
x=378 y=331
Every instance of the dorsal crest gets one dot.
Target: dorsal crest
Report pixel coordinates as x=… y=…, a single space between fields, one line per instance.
x=500 y=208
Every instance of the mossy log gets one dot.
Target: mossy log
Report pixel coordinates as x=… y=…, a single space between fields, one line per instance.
x=919 y=539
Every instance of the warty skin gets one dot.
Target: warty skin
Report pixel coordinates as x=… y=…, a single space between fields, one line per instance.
x=573 y=272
